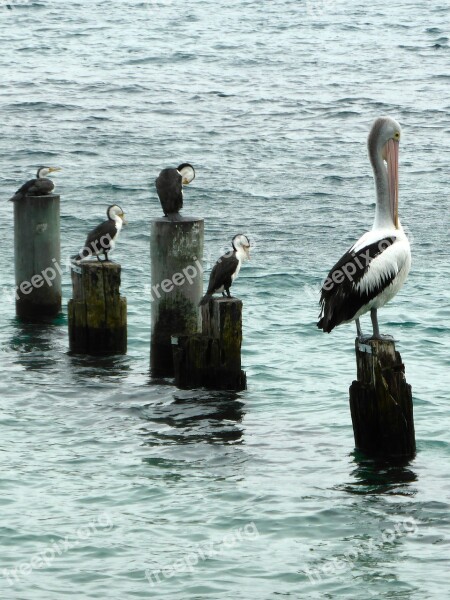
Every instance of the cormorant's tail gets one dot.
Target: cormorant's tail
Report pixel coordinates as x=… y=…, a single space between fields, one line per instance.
x=206 y=298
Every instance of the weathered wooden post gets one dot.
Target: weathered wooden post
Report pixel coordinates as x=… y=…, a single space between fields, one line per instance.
x=381 y=401
x=97 y=312
x=37 y=257
x=212 y=359
x=177 y=285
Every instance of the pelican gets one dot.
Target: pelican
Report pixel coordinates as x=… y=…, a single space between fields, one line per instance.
x=40 y=186
x=227 y=268
x=374 y=269
x=169 y=185
x=103 y=238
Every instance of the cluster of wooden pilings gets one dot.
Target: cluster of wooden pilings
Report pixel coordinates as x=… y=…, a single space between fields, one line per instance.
x=97 y=313
x=197 y=348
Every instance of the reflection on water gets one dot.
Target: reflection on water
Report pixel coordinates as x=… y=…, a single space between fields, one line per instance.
x=197 y=416
x=35 y=343
x=375 y=476
x=87 y=368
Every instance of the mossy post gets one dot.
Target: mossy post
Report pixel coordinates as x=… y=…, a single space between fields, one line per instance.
x=37 y=257
x=97 y=312
x=212 y=359
x=381 y=402
x=176 y=285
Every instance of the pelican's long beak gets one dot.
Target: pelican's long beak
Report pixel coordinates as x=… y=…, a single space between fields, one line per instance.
x=54 y=169
x=392 y=148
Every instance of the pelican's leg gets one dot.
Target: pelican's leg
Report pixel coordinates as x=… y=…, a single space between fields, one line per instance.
x=358 y=328
x=376 y=329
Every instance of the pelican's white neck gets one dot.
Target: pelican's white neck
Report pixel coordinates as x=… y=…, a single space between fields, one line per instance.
x=383 y=215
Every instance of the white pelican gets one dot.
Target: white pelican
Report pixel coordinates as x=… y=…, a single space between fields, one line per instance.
x=227 y=268
x=374 y=269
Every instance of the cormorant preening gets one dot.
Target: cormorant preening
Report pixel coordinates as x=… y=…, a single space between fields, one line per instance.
x=102 y=239
x=227 y=268
x=41 y=186
x=169 y=185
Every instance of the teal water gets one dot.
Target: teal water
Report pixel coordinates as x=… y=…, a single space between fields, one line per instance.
x=113 y=486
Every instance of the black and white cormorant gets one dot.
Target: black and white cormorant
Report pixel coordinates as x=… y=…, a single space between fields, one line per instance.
x=169 y=185
x=227 y=268
x=374 y=269
x=40 y=186
x=103 y=238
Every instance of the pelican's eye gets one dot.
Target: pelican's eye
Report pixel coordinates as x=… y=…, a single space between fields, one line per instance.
x=397 y=135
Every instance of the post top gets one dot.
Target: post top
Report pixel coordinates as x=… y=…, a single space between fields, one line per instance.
x=41 y=197
x=222 y=300
x=177 y=218
x=94 y=264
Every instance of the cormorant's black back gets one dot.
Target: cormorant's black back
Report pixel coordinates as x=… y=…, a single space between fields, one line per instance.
x=98 y=240
x=222 y=272
x=170 y=190
x=34 y=187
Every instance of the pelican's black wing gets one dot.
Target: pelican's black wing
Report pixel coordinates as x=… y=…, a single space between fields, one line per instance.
x=340 y=297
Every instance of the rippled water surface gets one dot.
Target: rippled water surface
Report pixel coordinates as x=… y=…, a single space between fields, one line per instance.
x=114 y=486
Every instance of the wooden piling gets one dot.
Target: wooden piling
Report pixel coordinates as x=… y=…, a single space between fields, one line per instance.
x=37 y=257
x=212 y=359
x=176 y=285
x=97 y=312
x=381 y=402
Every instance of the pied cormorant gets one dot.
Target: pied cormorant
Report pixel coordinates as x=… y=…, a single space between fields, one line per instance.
x=374 y=269
x=41 y=186
x=227 y=268
x=102 y=239
x=169 y=185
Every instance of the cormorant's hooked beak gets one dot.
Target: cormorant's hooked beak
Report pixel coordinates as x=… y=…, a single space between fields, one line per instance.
x=54 y=169
x=122 y=216
x=391 y=150
x=247 y=252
